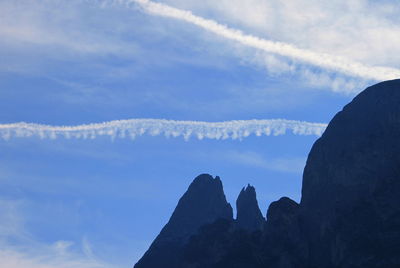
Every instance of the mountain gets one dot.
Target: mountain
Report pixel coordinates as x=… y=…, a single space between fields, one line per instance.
x=249 y=216
x=349 y=214
x=351 y=184
x=204 y=202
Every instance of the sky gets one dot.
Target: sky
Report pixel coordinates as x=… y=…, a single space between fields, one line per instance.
x=109 y=109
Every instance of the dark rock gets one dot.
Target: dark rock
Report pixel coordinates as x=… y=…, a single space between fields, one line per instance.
x=282 y=212
x=222 y=245
x=204 y=202
x=249 y=216
x=351 y=184
x=284 y=244
x=349 y=214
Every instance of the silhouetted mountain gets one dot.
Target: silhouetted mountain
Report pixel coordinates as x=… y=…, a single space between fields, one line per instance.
x=349 y=214
x=249 y=216
x=351 y=184
x=204 y=202
x=284 y=244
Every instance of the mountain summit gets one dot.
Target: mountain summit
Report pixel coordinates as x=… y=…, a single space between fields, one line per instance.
x=249 y=216
x=204 y=202
x=349 y=214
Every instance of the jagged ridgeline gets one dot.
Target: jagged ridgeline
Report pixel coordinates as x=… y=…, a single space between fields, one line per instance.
x=349 y=214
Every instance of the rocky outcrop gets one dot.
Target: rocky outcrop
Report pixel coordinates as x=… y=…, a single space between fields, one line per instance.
x=351 y=184
x=284 y=244
x=204 y=202
x=349 y=214
x=249 y=216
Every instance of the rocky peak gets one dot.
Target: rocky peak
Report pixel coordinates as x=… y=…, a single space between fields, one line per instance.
x=358 y=149
x=204 y=202
x=282 y=211
x=285 y=243
x=249 y=216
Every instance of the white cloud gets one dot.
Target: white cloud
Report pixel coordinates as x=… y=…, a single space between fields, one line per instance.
x=323 y=79
x=67 y=26
x=359 y=31
x=132 y=128
x=323 y=60
x=365 y=31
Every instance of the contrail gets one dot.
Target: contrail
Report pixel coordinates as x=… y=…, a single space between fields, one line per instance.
x=322 y=60
x=237 y=129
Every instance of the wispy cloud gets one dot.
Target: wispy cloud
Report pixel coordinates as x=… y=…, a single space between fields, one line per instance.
x=335 y=27
x=46 y=256
x=19 y=249
x=354 y=29
x=278 y=65
x=322 y=60
x=132 y=128
x=66 y=31
x=253 y=159
x=58 y=24
x=59 y=29
x=11 y=222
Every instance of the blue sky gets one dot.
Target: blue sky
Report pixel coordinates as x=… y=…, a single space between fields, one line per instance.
x=100 y=202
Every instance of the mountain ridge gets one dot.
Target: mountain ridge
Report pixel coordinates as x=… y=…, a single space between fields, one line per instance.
x=349 y=213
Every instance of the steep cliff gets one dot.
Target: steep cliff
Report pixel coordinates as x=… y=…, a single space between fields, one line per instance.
x=351 y=184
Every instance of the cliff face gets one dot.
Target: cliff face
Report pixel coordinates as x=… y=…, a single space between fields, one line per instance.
x=351 y=184
x=349 y=214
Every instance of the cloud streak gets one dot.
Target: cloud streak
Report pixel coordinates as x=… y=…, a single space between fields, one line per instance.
x=237 y=129
x=35 y=254
x=322 y=60
x=291 y=165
